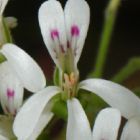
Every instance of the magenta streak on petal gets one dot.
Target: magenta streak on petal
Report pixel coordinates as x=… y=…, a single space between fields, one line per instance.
x=54 y=34
x=10 y=93
x=7 y=109
x=62 y=49
x=75 y=30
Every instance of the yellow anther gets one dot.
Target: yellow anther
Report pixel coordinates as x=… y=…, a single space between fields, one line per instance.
x=72 y=78
x=66 y=78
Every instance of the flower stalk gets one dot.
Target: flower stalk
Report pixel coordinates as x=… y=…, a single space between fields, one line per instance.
x=110 y=16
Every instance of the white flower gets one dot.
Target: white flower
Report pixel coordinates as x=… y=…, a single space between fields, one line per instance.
x=64 y=35
x=17 y=72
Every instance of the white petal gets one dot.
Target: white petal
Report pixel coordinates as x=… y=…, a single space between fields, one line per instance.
x=115 y=95
x=25 y=67
x=131 y=130
x=3 y=4
x=51 y=20
x=11 y=90
x=107 y=124
x=34 y=114
x=78 y=127
x=77 y=14
x=3 y=138
x=6 y=128
x=11 y=22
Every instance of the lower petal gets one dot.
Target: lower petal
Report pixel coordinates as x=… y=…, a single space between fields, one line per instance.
x=115 y=95
x=78 y=127
x=34 y=114
x=131 y=130
x=107 y=124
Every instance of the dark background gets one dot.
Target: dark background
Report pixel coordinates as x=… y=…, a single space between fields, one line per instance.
x=125 y=41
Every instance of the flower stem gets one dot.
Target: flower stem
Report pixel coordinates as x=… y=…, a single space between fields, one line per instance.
x=130 y=68
x=7 y=38
x=110 y=16
x=7 y=33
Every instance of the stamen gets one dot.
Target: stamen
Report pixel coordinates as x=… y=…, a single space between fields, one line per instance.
x=67 y=80
x=75 y=30
x=72 y=78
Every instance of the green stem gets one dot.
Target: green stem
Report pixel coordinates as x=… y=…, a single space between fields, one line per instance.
x=110 y=16
x=130 y=68
x=7 y=37
x=7 y=33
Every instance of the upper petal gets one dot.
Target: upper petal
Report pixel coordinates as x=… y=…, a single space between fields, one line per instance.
x=131 y=130
x=78 y=127
x=34 y=114
x=107 y=124
x=25 y=67
x=115 y=95
x=51 y=21
x=77 y=16
x=3 y=4
x=11 y=90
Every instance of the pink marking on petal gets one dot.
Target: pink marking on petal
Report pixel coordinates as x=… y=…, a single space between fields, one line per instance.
x=10 y=93
x=75 y=30
x=7 y=109
x=62 y=49
x=54 y=34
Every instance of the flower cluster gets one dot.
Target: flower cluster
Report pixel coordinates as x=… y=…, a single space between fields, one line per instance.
x=64 y=33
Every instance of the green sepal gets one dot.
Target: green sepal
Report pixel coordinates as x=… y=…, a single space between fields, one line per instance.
x=2 y=58
x=56 y=77
x=59 y=107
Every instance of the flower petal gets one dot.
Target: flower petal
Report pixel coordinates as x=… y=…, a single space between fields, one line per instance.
x=3 y=138
x=6 y=128
x=131 y=130
x=77 y=16
x=24 y=67
x=78 y=127
x=3 y=4
x=34 y=114
x=115 y=95
x=107 y=124
x=51 y=20
x=11 y=90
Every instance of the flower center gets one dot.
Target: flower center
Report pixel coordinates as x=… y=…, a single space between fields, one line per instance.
x=69 y=85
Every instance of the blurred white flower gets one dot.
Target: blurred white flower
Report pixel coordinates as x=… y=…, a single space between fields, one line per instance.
x=19 y=71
